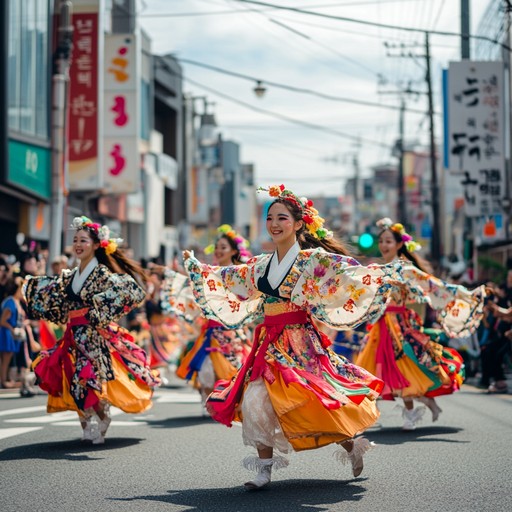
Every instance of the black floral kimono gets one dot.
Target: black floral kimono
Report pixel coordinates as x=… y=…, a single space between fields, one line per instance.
x=96 y=360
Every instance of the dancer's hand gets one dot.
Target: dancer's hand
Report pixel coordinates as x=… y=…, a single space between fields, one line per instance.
x=187 y=254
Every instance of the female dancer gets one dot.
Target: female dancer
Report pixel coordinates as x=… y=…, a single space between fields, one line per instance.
x=96 y=363
x=292 y=392
x=397 y=350
x=218 y=352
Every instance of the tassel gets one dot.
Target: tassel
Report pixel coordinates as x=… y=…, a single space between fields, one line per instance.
x=254 y=463
x=360 y=447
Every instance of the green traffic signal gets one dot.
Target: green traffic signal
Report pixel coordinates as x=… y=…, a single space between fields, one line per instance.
x=365 y=241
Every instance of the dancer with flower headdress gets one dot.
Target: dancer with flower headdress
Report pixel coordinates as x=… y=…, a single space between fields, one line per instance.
x=217 y=353
x=293 y=392
x=97 y=363
x=397 y=350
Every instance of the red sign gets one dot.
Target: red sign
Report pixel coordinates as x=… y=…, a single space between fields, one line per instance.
x=83 y=89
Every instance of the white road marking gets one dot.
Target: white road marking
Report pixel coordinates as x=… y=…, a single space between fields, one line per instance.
x=10 y=432
x=49 y=418
x=179 y=398
x=23 y=410
x=113 y=424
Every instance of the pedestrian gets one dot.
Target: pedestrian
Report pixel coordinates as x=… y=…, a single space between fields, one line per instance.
x=12 y=331
x=96 y=364
x=397 y=350
x=293 y=393
x=217 y=353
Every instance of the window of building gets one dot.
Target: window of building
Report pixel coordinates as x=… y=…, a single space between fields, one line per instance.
x=28 y=91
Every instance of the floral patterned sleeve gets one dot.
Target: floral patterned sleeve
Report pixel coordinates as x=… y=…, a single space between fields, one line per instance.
x=46 y=297
x=120 y=294
x=340 y=292
x=225 y=294
x=459 y=310
x=176 y=296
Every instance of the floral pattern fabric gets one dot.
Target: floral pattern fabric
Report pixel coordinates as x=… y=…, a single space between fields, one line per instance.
x=398 y=351
x=459 y=310
x=334 y=289
x=104 y=298
x=318 y=396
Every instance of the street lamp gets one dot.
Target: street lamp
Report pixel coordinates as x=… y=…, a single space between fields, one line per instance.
x=260 y=89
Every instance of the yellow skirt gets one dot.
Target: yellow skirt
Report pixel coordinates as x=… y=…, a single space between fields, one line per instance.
x=307 y=424
x=129 y=395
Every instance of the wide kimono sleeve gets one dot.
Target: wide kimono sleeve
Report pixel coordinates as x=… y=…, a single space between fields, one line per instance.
x=176 y=296
x=121 y=293
x=226 y=294
x=459 y=310
x=46 y=297
x=340 y=292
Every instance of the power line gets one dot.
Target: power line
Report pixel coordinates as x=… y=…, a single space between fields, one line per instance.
x=235 y=11
x=289 y=119
x=375 y=24
x=298 y=89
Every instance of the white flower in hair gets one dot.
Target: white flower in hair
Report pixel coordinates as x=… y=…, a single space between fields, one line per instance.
x=386 y=222
x=77 y=223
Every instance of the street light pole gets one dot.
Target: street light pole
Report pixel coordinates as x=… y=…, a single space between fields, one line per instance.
x=60 y=80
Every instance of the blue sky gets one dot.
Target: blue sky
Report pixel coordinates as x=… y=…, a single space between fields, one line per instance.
x=328 y=56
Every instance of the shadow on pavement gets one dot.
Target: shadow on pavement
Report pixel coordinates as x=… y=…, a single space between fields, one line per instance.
x=67 y=450
x=180 y=422
x=395 y=435
x=286 y=495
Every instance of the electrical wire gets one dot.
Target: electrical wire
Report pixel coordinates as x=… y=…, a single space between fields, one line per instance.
x=297 y=89
x=289 y=119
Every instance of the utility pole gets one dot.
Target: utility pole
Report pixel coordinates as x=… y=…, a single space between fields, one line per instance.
x=465 y=51
x=436 y=242
x=60 y=81
x=402 y=206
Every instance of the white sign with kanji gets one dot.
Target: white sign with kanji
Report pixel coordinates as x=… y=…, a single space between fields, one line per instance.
x=476 y=133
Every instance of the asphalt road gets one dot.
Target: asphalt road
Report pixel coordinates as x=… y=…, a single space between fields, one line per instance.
x=172 y=459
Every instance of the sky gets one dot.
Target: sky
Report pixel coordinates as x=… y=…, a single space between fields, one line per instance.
x=313 y=155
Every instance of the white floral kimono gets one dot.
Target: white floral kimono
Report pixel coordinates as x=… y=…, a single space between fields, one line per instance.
x=400 y=353
x=293 y=390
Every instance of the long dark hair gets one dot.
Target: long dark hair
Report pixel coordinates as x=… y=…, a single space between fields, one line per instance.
x=305 y=238
x=117 y=262
x=236 y=257
x=416 y=260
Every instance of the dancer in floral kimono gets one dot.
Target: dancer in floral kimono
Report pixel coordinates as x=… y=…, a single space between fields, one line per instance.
x=293 y=393
x=397 y=350
x=96 y=364
x=217 y=353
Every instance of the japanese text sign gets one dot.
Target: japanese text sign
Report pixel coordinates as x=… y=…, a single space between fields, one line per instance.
x=475 y=134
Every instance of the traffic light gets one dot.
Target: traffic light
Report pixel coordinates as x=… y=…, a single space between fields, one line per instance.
x=365 y=242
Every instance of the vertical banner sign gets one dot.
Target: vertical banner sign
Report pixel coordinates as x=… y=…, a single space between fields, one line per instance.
x=476 y=133
x=85 y=171
x=121 y=121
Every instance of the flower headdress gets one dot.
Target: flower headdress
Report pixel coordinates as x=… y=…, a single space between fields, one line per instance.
x=410 y=244
x=241 y=243
x=314 y=223
x=102 y=232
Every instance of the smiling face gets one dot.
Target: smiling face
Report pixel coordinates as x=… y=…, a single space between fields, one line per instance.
x=388 y=246
x=281 y=226
x=224 y=252
x=84 y=246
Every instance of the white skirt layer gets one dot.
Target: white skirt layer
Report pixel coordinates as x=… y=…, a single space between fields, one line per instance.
x=206 y=375
x=260 y=426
